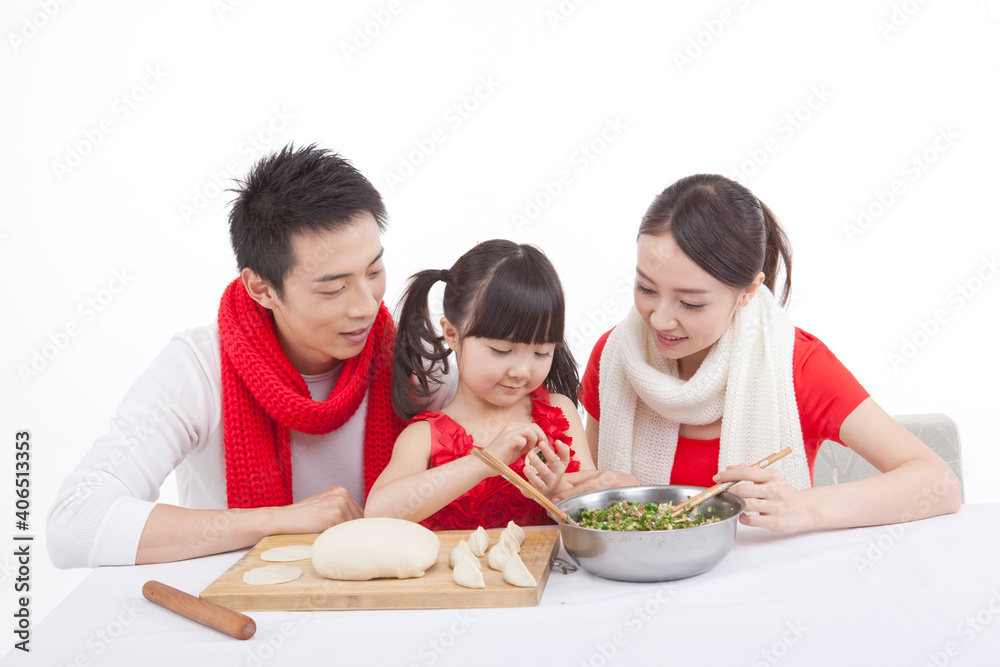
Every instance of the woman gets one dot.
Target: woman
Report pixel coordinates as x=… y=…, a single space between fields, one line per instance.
x=707 y=374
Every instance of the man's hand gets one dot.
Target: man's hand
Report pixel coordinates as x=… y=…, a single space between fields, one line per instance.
x=317 y=513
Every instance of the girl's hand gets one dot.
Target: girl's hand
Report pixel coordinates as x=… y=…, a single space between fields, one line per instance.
x=512 y=442
x=781 y=507
x=546 y=475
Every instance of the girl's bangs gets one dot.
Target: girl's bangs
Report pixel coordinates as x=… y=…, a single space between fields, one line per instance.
x=519 y=306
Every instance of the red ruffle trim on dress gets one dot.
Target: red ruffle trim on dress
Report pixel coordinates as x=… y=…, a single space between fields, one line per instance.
x=494 y=501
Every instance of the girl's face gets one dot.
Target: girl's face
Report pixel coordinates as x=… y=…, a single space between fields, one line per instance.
x=497 y=371
x=685 y=308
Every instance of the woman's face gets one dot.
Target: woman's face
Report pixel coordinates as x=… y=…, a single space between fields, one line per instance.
x=685 y=308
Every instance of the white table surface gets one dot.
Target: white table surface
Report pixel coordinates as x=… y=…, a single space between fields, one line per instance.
x=922 y=593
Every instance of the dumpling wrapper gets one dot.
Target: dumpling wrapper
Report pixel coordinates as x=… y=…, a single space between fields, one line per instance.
x=516 y=573
x=509 y=541
x=375 y=548
x=479 y=541
x=459 y=550
x=515 y=530
x=287 y=554
x=271 y=574
x=498 y=556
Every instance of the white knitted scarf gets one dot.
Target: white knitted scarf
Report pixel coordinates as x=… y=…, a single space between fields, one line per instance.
x=746 y=379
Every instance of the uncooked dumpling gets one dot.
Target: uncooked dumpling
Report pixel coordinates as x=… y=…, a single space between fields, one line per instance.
x=498 y=556
x=468 y=572
x=510 y=542
x=375 y=548
x=271 y=574
x=516 y=573
x=459 y=550
x=287 y=554
x=479 y=541
x=515 y=530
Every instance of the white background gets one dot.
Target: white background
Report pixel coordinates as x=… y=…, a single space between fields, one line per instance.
x=118 y=118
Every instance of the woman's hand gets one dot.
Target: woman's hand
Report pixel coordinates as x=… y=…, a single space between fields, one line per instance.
x=547 y=475
x=780 y=506
x=592 y=480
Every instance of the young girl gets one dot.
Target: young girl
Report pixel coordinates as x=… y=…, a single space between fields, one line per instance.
x=707 y=373
x=503 y=319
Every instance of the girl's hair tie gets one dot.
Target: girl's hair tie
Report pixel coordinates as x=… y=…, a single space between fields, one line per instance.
x=443 y=275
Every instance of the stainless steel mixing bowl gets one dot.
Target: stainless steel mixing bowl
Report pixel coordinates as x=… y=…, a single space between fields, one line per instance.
x=655 y=555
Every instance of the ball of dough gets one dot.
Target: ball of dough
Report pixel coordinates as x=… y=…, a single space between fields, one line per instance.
x=375 y=548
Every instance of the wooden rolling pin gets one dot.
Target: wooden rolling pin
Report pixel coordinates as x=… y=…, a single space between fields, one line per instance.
x=201 y=611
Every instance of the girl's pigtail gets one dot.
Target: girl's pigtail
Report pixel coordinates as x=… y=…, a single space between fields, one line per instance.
x=419 y=349
x=777 y=248
x=563 y=377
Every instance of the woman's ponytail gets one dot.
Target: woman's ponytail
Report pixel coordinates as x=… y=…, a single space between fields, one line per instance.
x=777 y=247
x=419 y=349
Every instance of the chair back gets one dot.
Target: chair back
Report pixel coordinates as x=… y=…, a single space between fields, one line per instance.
x=836 y=463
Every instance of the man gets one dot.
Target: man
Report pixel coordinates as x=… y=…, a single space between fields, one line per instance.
x=278 y=418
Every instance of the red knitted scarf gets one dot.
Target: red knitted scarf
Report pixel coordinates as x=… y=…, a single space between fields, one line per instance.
x=264 y=397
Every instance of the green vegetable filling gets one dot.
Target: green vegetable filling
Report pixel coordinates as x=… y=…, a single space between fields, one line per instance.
x=626 y=515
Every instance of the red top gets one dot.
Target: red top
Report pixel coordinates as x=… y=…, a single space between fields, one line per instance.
x=494 y=501
x=825 y=391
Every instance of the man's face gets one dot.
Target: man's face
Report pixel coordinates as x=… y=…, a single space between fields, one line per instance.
x=332 y=295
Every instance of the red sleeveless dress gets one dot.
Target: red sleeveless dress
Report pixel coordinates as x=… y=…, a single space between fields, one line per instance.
x=494 y=501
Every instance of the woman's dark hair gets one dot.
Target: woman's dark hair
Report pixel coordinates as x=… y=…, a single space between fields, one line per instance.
x=498 y=290
x=295 y=191
x=723 y=228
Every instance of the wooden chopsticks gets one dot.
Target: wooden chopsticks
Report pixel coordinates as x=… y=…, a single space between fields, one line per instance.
x=521 y=483
x=711 y=492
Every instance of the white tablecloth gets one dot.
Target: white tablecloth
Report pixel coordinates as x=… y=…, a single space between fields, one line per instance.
x=922 y=593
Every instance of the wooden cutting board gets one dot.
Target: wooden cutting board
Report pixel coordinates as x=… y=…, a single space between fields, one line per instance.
x=435 y=590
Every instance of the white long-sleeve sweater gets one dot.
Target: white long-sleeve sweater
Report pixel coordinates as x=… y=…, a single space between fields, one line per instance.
x=171 y=419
